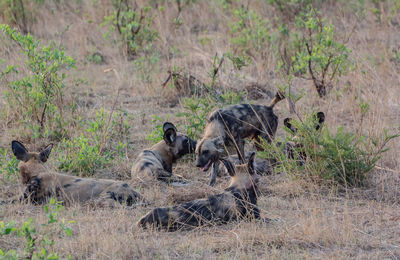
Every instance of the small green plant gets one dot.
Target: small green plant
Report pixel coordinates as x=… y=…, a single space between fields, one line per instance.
x=95 y=58
x=250 y=37
x=8 y=164
x=312 y=51
x=39 y=242
x=36 y=98
x=133 y=25
x=157 y=134
x=100 y=144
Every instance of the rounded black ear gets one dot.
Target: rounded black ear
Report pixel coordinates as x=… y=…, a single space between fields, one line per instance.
x=169 y=133
x=287 y=123
x=251 y=163
x=19 y=151
x=44 y=155
x=229 y=167
x=321 y=120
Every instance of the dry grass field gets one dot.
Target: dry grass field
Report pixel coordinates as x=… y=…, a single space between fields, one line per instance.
x=315 y=220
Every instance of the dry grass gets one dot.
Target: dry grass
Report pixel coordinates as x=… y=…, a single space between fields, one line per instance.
x=314 y=221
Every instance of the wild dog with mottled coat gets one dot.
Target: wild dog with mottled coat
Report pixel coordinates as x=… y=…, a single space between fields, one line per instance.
x=229 y=126
x=293 y=149
x=156 y=162
x=41 y=183
x=238 y=201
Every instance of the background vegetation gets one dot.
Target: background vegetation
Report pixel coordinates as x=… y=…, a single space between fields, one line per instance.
x=98 y=78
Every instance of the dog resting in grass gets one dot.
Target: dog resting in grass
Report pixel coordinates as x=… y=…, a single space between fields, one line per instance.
x=238 y=201
x=156 y=162
x=293 y=150
x=41 y=183
x=229 y=127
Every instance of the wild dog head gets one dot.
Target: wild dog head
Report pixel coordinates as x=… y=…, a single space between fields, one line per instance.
x=31 y=163
x=319 y=119
x=179 y=144
x=208 y=152
x=244 y=176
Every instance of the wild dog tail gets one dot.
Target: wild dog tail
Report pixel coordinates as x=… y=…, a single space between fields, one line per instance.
x=278 y=97
x=143 y=221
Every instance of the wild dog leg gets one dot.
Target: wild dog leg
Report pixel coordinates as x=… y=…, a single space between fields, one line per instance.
x=214 y=173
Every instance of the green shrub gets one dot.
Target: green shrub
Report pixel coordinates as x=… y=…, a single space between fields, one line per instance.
x=102 y=142
x=36 y=98
x=133 y=25
x=344 y=158
x=39 y=244
x=157 y=133
x=8 y=164
x=312 y=50
x=250 y=37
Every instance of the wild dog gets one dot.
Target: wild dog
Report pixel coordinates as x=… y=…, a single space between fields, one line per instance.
x=41 y=183
x=262 y=166
x=238 y=201
x=293 y=150
x=228 y=127
x=156 y=162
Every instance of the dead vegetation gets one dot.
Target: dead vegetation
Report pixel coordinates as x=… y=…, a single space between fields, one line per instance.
x=315 y=219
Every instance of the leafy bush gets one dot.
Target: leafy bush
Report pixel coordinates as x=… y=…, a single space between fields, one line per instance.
x=39 y=244
x=37 y=97
x=100 y=144
x=344 y=158
x=312 y=51
x=157 y=134
x=8 y=164
x=250 y=36
x=133 y=24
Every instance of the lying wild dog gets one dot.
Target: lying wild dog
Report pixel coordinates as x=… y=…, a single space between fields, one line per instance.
x=293 y=149
x=156 y=163
x=41 y=184
x=228 y=127
x=238 y=201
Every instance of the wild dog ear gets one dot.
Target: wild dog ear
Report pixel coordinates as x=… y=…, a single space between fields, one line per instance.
x=251 y=163
x=229 y=166
x=20 y=151
x=169 y=133
x=44 y=155
x=321 y=120
x=287 y=123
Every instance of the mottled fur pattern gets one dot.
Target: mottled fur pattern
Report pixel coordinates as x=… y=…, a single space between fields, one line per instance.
x=263 y=166
x=229 y=127
x=41 y=184
x=238 y=201
x=293 y=149
x=156 y=162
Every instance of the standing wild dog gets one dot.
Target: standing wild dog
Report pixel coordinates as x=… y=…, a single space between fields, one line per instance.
x=229 y=126
x=293 y=150
x=41 y=183
x=238 y=201
x=156 y=163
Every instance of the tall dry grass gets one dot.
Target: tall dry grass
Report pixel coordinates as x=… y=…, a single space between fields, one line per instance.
x=314 y=221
